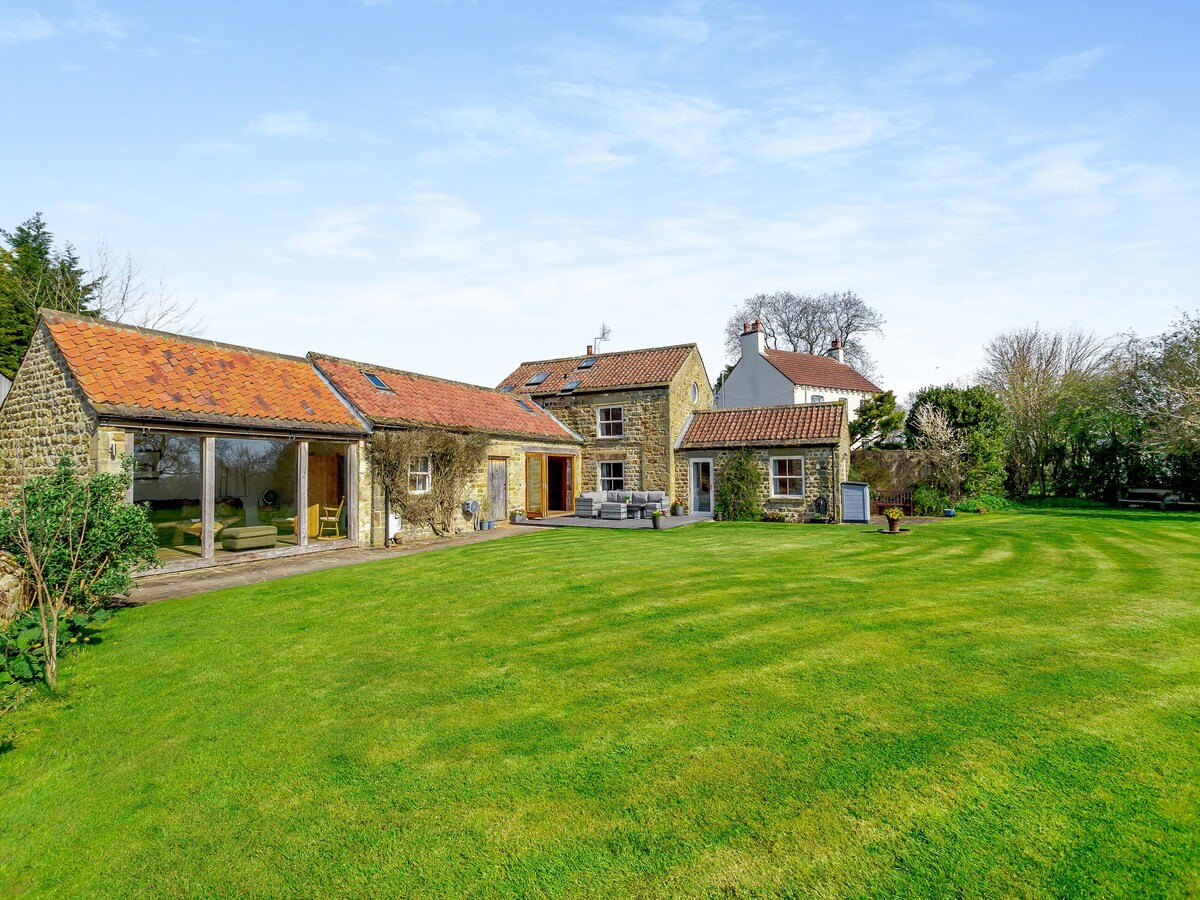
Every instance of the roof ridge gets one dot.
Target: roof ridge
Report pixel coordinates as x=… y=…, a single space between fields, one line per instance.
x=49 y=315
x=531 y=362
x=360 y=365
x=718 y=409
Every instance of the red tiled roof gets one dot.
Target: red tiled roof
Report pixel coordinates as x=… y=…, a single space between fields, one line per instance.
x=422 y=400
x=138 y=373
x=810 y=370
x=624 y=368
x=765 y=426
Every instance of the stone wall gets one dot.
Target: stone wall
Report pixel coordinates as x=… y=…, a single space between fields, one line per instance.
x=13 y=599
x=512 y=450
x=682 y=406
x=822 y=478
x=645 y=447
x=45 y=416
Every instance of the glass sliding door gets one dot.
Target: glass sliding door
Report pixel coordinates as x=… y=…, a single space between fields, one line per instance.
x=167 y=480
x=255 y=488
x=327 y=491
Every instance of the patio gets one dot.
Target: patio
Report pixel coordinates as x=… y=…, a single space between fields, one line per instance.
x=570 y=521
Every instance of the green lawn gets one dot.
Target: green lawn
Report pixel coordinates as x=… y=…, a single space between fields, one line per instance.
x=994 y=705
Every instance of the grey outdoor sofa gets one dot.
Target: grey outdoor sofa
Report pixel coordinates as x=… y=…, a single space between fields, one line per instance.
x=587 y=506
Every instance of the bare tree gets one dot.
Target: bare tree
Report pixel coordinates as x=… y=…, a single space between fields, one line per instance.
x=1032 y=371
x=945 y=449
x=803 y=323
x=123 y=295
x=1161 y=386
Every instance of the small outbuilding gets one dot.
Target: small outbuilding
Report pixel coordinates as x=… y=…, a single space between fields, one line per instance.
x=803 y=453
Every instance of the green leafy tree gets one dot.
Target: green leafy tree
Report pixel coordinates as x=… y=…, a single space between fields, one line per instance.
x=34 y=274
x=981 y=423
x=877 y=419
x=738 y=488
x=79 y=543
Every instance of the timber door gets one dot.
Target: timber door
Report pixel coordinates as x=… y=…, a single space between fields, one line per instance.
x=535 y=492
x=497 y=488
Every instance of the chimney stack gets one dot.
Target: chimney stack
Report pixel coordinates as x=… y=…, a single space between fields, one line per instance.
x=753 y=338
x=589 y=353
x=836 y=351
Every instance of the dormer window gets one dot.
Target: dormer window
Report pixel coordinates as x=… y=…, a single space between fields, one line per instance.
x=537 y=379
x=376 y=381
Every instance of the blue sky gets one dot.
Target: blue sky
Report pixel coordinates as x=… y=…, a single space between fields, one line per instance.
x=455 y=187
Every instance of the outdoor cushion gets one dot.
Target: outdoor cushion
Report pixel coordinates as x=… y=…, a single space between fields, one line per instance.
x=657 y=496
x=641 y=497
x=249 y=537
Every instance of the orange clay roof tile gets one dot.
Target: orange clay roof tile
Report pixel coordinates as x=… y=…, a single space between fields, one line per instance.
x=765 y=426
x=412 y=399
x=624 y=368
x=140 y=373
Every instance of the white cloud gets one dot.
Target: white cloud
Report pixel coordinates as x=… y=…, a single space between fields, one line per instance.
x=1063 y=68
x=341 y=233
x=933 y=65
x=674 y=28
x=288 y=124
x=93 y=20
x=21 y=28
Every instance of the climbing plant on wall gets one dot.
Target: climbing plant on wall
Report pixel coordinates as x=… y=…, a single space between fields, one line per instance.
x=425 y=472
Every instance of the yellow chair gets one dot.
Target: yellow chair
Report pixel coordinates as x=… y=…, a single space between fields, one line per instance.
x=332 y=520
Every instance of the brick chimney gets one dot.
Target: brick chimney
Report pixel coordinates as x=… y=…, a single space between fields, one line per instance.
x=753 y=338
x=836 y=351
x=589 y=353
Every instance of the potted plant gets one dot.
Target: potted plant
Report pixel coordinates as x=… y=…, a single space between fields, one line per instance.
x=517 y=516
x=677 y=507
x=659 y=518
x=893 y=514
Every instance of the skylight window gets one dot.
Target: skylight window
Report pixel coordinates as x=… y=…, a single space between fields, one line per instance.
x=525 y=406
x=570 y=386
x=376 y=381
x=587 y=363
x=538 y=378
x=506 y=389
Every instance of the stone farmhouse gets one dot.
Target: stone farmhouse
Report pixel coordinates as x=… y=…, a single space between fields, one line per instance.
x=628 y=406
x=767 y=377
x=241 y=454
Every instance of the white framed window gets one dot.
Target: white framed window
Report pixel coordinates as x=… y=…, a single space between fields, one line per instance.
x=420 y=475
x=816 y=398
x=695 y=392
x=612 y=476
x=787 y=476
x=612 y=422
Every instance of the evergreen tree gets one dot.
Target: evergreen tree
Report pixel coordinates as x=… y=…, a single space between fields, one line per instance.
x=33 y=274
x=877 y=419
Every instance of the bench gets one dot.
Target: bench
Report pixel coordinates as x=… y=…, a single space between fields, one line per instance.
x=881 y=500
x=1146 y=498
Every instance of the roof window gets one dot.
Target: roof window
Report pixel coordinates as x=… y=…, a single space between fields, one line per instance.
x=376 y=381
x=538 y=378
x=570 y=386
x=506 y=389
x=525 y=406
x=587 y=363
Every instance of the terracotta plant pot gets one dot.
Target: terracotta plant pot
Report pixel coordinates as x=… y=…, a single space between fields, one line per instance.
x=893 y=526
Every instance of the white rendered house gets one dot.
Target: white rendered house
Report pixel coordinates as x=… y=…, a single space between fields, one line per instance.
x=766 y=377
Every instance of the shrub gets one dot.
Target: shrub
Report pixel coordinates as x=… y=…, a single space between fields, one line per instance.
x=79 y=543
x=738 y=488
x=929 y=501
x=23 y=652
x=772 y=515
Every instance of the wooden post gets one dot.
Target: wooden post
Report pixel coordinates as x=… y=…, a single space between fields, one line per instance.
x=351 y=488
x=302 y=493
x=208 y=494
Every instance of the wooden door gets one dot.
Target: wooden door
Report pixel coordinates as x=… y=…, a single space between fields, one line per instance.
x=497 y=487
x=535 y=489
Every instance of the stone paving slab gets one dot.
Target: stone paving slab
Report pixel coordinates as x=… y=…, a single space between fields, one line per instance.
x=155 y=588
